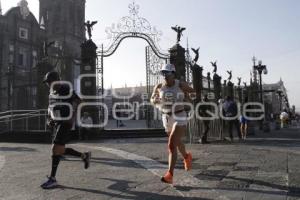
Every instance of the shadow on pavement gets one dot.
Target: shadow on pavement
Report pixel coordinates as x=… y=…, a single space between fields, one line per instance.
x=291 y=191
x=106 y=161
x=273 y=142
x=126 y=140
x=123 y=187
x=18 y=149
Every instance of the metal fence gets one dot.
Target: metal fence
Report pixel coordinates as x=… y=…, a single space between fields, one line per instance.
x=23 y=120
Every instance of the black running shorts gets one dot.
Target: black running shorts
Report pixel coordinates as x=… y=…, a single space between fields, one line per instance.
x=62 y=133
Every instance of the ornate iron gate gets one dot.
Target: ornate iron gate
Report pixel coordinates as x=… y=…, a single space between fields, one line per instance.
x=134 y=26
x=153 y=64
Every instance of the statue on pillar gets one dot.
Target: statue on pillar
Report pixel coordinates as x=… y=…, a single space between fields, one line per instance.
x=214 y=64
x=196 y=51
x=216 y=81
x=89 y=27
x=230 y=75
x=239 y=81
x=179 y=31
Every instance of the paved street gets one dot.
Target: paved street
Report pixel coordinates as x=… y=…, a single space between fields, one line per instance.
x=266 y=166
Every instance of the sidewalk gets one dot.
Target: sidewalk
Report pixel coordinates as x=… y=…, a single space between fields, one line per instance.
x=265 y=166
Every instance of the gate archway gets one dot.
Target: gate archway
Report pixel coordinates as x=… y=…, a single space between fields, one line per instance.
x=134 y=26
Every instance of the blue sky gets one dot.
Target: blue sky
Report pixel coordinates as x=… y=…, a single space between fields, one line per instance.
x=229 y=31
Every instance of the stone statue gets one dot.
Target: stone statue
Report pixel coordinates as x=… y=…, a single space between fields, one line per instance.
x=46 y=46
x=245 y=84
x=179 y=31
x=196 y=51
x=208 y=76
x=239 y=81
x=225 y=82
x=230 y=75
x=214 y=64
x=89 y=27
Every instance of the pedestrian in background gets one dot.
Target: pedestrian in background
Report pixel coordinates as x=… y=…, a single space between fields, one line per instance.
x=230 y=110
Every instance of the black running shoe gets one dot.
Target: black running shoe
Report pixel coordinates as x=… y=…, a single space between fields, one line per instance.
x=87 y=159
x=50 y=183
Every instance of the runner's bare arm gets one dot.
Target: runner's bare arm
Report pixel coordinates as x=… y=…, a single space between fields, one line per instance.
x=184 y=86
x=155 y=94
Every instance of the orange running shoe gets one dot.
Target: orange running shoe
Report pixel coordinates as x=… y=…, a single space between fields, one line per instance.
x=188 y=161
x=167 y=178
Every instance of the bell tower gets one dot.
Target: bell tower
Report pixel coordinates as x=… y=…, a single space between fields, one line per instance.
x=63 y=22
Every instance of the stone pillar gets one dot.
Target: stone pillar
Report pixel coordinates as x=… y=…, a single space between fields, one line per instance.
x=253 y=97
x=224 y=89
x=217 y=86
x=230 y=89
x=88 y=84
x=240 y=96
x=177 y=58
x=197 y=81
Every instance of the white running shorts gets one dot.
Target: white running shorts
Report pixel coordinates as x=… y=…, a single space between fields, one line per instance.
x=177 y=119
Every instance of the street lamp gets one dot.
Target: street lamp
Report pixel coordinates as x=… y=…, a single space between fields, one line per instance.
x=261 y=69
x=9 y=74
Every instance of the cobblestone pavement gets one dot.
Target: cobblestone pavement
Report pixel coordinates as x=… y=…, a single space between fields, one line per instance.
x=266 y=166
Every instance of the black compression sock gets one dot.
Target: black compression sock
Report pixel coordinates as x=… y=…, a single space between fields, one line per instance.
x=55 y=162
x=72 y=152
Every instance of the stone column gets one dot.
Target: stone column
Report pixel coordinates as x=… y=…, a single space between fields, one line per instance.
x=197 y=81
x=177 y=58
x=230 y=89
x=224 y=89
x=240 y=96
x=217 y=86
x=88 y=84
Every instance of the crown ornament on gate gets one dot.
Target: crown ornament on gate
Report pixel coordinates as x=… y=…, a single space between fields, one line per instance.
x=24 y=10
x=133 y=24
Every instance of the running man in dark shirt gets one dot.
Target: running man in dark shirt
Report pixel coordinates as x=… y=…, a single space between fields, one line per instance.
x=61 y=94
x=230 y=110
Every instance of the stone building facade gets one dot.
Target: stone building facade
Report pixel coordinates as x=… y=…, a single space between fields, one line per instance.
x=22 y=41
x=273 y=100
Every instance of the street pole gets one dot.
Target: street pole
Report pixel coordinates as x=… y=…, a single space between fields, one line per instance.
x=261 y=89
x=261 y=68
x=261 y=99
x=9 y=88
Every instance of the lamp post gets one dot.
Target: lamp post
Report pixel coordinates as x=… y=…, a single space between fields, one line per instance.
x=9 y=76
x=8 y=87
x=261 y=69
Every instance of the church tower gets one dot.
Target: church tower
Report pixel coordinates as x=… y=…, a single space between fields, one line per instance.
x=63 y=22
x=0 y=8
